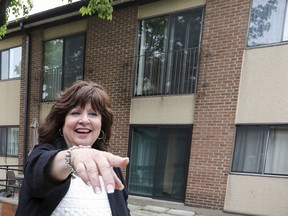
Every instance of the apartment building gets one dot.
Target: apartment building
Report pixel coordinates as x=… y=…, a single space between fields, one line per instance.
x=198 y=90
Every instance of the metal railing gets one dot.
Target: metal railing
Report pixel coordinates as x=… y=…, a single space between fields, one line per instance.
x=167 y=73
x=58 y=78
x=12 y=177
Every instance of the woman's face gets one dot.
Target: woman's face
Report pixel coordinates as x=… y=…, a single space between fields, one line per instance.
x=82 y=126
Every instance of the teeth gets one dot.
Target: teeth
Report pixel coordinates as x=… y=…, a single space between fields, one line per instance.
x=83 y=131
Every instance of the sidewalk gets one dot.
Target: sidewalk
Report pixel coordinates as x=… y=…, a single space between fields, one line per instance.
x=140 y=206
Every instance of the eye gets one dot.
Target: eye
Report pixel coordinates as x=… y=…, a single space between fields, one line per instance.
x=74 y=113
x=94 y=113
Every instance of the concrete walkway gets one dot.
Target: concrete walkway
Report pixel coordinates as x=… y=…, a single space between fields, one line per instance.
x=140 y=206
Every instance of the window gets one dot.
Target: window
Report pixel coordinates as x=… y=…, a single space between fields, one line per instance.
x=261 y=150
x=168 y=54
x=63 y=64
x=159 y=161
x=268 y=22
x=9 y=137
x=10 y=63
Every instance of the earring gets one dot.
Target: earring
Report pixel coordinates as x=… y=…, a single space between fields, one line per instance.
x=60 y=132
x=103 y=135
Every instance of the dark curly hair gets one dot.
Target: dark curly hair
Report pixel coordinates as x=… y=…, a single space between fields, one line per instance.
x=78 y=94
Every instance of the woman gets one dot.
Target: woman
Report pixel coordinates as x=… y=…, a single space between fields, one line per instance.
x=63 y=174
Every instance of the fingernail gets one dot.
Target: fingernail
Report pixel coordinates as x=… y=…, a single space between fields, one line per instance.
x=88 y=183
x=122 y=187
x=97 y=190
x=110 y=189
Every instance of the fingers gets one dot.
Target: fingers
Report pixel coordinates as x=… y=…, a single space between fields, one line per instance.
x=93 y=176
x=81 y=172
x=118 y=184
x=90 y=163
x=106 y=171
x=117 y=161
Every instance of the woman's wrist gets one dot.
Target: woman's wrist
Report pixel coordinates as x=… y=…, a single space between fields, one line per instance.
x=68 y=162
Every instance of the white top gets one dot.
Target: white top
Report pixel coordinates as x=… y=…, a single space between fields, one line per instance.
x=82 y=200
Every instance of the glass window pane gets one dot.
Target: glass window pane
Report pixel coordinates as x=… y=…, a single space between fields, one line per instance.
x=142 y=161
x=249 y=149
x=12 y=141
x=285 y=34
x=15 y=62
x=153 y=43
x=73 y=59
x=266 y=22
x=168 y=54
x=4 y=65
x=277 y=159
x=53 y=52
x=172 y=163
x=159 y=161
x=3 y=141
x=183 y=54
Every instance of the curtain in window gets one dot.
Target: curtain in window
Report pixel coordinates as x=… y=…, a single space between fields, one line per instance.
x=4 y=65
x=159 y=161
x=168 y=54
x=249 y=149
x=53 y=55
x=152 y=55
x=183 y=52
x=172 y=163
x=285 y=33
x=12 y=141
x=266 y=22
x=142 y=161
x=63 y=64
x=277 y=154
x=3 y=141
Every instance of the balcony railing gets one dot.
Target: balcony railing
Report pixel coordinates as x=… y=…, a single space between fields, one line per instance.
x=11 y=177
x=58 y=78
x=167 y=73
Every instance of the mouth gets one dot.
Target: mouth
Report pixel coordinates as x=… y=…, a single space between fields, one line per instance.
x=83 y=131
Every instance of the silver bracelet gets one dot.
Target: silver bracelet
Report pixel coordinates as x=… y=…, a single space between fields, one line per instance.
x=68 y=163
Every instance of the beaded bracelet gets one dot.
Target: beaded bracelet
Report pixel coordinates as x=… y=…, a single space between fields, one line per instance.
x=68 y=163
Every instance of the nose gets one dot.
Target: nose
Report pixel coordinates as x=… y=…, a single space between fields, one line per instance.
x=84 y=119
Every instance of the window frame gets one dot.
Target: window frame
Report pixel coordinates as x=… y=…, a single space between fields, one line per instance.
x=9 y=63
x=63 y=70
x=265 y=155
x=159 y=127
x=167 y=51
x=5 y=153
x=282 y=32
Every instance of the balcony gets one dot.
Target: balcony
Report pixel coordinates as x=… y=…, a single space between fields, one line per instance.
x=167 y=73
x=59 y=78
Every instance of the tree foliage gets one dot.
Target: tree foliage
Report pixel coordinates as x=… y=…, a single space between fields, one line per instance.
x=260 y=19
x=21 y=8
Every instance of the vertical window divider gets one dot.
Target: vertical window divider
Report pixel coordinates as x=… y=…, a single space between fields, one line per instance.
x=284 y=22
x=265 y=151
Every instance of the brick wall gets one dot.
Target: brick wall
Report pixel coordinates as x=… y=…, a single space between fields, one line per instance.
x=34 y=88
x=224 y=33
x=110 y=49
x=8 y=208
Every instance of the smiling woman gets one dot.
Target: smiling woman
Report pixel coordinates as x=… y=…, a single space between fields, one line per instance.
x=72 y=163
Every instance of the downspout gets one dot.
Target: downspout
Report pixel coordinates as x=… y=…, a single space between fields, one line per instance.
x=26 y=92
